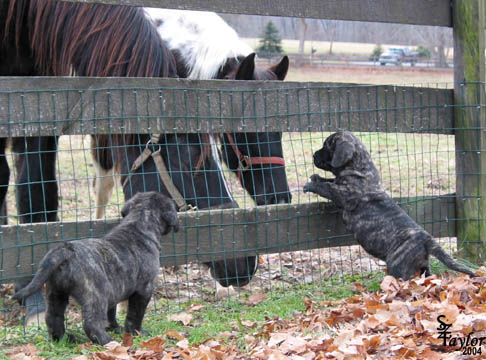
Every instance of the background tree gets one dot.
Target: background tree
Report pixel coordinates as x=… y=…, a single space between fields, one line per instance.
x=271 y=43
x=377 y=51
x=302 y=32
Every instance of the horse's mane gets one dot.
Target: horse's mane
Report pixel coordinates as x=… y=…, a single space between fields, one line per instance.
x=90 y=39
x=203 y=39
x=93 y=40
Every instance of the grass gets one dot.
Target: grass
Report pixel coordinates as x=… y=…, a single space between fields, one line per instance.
x=410 y=165
x=213 y=321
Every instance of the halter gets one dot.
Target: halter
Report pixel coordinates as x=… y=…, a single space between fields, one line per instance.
x=165 y=177
x=245 y=162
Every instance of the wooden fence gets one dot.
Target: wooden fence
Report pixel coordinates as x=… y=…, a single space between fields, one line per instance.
x=27 y=105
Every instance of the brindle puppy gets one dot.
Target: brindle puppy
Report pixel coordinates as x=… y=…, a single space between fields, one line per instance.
x=379 y=225
x=99 y=273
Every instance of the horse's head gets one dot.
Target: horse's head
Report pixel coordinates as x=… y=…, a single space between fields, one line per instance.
x=191 y=167
x=257 y=158
x=195 y=169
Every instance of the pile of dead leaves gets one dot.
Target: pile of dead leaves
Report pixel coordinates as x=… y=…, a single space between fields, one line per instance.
x=399 y=322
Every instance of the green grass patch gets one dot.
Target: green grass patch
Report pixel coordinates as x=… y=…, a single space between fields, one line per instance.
x=213 y=321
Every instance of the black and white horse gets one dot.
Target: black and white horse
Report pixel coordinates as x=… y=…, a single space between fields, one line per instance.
x=206 y=47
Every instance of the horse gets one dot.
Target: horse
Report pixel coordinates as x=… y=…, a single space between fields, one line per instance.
x=206 y=47
x=198 y=56
x=50 y=38
x=213 y=59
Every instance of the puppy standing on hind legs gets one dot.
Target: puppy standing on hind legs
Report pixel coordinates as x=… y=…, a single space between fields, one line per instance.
x=99 y=273
x=379 y=225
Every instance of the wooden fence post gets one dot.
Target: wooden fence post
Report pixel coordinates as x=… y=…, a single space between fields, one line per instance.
x=470 y=127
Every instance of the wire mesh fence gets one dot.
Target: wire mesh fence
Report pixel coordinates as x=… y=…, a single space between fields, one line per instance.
x=237 y=209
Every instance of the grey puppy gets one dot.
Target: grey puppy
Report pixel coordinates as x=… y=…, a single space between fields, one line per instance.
x=379 y=225
x=99 y=273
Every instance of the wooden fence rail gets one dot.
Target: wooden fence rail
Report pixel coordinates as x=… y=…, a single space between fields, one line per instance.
x=216 y=234
x=415 y=12
x=73 y=106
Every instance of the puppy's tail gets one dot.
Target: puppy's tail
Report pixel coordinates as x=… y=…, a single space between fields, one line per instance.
x=49 y=263
x=436 y=250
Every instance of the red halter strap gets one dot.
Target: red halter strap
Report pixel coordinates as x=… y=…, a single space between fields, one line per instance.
x=245 y=162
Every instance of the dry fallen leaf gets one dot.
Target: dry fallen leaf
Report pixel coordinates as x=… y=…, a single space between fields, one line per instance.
x=174 y=334
x=127 y=340
x=399 y=322
x=24 y=352
x=255 y=299
x=183 y=317
x=195 y=307
x=155 y=344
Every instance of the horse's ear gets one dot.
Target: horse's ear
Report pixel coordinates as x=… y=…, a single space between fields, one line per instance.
x=281 y=68
x=343 y=152
x=246 y=68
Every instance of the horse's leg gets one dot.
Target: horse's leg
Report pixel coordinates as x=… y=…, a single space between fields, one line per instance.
x=37 y=196
x=37 y=192
x=104 y=181
x=4 y=180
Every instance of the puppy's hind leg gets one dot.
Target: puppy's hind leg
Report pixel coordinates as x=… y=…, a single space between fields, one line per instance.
x=56 y=307
x=94 y=321
x=137 y=304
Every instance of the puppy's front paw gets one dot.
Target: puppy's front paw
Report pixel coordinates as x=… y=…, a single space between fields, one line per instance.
x=316 y=178
x=310 y=187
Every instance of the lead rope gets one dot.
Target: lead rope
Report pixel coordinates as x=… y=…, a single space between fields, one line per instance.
x=163 y=173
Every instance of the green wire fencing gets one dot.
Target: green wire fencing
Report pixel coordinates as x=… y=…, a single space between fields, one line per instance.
x=299 y=238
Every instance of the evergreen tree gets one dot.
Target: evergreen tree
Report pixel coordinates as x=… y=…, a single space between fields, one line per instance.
x=377 y=51
x=271 y=43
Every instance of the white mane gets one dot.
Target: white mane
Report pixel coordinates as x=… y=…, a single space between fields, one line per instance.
x=204 y=40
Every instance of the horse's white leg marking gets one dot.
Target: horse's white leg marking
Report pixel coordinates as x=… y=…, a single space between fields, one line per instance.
x=103 y=187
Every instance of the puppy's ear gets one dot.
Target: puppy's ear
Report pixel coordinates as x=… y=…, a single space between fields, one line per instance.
x=126 y=208
x=343 y=153
x=171 y=221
